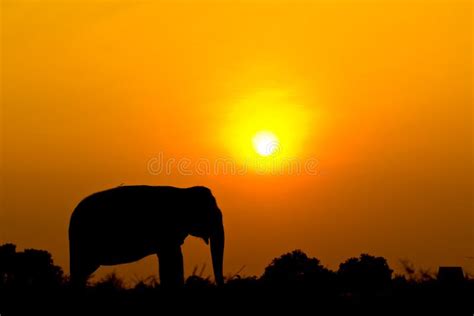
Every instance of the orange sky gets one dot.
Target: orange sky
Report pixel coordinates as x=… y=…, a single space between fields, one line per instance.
x=378 y=93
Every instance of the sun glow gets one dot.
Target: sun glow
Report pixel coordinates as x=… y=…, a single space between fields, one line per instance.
x=267 y=128
x=266 y=143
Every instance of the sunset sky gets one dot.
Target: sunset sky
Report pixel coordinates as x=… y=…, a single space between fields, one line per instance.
x=370 y=102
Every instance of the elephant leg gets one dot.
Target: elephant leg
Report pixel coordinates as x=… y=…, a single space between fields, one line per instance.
x=81 y=268
x=171 y=267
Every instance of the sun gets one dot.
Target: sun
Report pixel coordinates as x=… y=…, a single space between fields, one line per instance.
x=266 y=143
x=267 y=129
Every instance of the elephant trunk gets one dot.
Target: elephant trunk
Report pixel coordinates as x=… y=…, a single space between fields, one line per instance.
x=217 y=251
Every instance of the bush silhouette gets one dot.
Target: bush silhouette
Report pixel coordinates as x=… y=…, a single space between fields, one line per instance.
x=293 y=278
x=296 y=269
x=110 y=282
x=243 y=282
x=28 y=269
x=147 y=284
x=366 y=274
x=7 y=264
x=198 y=282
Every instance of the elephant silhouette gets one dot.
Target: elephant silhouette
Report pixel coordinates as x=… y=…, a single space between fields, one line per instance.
x=127 y=223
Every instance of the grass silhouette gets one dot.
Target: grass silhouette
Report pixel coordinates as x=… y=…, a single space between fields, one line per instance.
x=31 y=279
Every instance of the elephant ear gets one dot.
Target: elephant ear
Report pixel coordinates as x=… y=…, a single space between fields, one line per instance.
x=200 y=212
x=205 y=204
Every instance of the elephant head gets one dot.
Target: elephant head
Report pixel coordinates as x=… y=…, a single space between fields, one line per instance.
x=205 y=221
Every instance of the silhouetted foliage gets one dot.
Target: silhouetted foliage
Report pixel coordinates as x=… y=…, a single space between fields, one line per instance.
x=416 y=276
x=293 y=279
x=198 y=282
x=7 y=264
x=110 y=282
x=28 y=269
x=241 y=283
x=366 y=274
x=296 y=269
x=147 y=284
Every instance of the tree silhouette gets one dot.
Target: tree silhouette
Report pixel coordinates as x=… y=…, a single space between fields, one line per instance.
x=292 y=280
x=366 y=274
x=28 y=269
x=7 y=264
x=296 y=269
